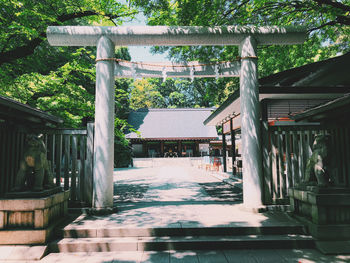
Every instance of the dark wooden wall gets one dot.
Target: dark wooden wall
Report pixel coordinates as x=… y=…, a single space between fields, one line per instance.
x=70 y=152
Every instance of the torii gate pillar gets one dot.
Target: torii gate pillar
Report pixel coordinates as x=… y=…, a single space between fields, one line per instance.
x=104 y=127
x=250 y=128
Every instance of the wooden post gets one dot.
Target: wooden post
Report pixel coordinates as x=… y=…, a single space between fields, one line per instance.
x=82 y=173
x=3 y=134
x=233 y=147
x=73 y=188
x=267 y=199
x=281 y=180
x=347 y=158
x=274 y=164
x=88 y=178
x=224 y=149
x=11 y=163
x=12 y=159
x=162 y=149
x=66 y=161
x=179 y=148
x=52 y=152
x=196 y=152
x=295 y=164
x=145 y=149
x=58 y=159
x=288 y=161
x=301 y=155
x=18 y=154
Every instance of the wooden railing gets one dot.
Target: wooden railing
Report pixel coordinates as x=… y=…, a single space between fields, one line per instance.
x=286 y=150
x=12 y=140
x=70 y=152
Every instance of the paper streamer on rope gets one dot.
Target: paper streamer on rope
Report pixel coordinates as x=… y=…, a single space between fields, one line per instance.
x=133 y=71
x=164 y=74
x=192 y=73
x=216 y=71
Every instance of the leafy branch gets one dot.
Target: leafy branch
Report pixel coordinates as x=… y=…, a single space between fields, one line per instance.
x=335 y=4
x=29 y=47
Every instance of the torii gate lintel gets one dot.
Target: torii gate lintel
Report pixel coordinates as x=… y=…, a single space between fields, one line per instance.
x=105 y=38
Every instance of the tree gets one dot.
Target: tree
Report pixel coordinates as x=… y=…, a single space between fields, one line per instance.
x=145 y=95
x=59 y=80
x=68 y=92
x=23 y=23
x=23 y=45
x=327 y=22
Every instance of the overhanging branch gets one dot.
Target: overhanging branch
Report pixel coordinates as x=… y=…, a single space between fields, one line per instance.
x=334 y=4
x=342 y=20
x=29 y=47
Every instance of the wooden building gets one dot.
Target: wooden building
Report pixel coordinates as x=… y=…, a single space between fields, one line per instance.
x=16 y=121
x=289 y=92
x=284 y=95
x=170 y=132
x=335 y=112
x=70 y=151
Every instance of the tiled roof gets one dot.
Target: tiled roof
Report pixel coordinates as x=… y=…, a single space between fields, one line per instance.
x=171 y=123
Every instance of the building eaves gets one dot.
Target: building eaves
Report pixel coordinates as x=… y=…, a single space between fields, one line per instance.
x=301 y=80
x=328 y=110
x=15 y=111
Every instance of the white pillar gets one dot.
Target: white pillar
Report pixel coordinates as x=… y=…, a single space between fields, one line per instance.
x=250 y=113
x=104 y=127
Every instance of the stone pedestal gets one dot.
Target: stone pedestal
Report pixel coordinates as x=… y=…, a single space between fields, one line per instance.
x=325 y=211
x=31 y=220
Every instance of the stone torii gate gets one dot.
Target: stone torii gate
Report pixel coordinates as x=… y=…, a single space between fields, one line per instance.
x=106 y=38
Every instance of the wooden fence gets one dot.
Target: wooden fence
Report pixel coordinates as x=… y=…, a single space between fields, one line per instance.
x=285 y=153
x=12 y=140
x=70 y=152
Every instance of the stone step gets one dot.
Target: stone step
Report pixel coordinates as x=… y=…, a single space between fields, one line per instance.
x=79 y=232
x=180 y=243
x=159 y=162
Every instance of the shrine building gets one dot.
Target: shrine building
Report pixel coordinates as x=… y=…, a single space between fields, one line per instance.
x=171 y=132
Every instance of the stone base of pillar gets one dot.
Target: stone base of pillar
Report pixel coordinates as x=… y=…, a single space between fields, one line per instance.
x=257 y=209
x=102 y=211
x=326 y=214
x=31 y=220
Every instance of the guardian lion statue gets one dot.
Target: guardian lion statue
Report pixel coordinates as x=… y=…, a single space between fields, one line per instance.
x=34 y=172
x=316 y=172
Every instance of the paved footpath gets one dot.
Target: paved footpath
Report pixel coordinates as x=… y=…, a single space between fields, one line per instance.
x=183 y=197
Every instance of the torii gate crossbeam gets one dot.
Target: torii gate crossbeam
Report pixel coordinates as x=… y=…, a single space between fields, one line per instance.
x=106 y=38
x=126 y=69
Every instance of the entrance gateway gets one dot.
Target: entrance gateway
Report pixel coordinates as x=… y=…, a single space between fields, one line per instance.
x=106 y=38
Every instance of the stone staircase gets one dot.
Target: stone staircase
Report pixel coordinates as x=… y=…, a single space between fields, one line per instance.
x=80 y=239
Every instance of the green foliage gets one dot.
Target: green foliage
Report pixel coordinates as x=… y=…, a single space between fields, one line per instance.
x=23 y=45
x=180 y=93
x=327 y=22
x=145 y=95
x=122 y=149
x=59 y=80
x=68 y=92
